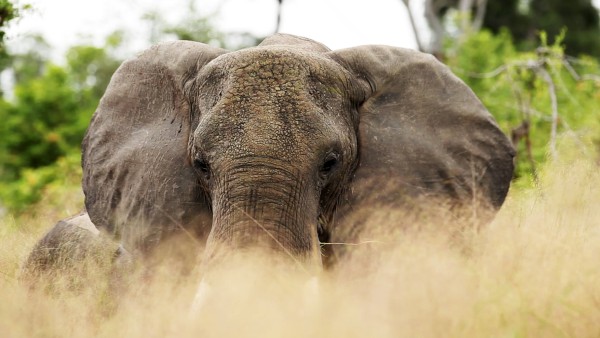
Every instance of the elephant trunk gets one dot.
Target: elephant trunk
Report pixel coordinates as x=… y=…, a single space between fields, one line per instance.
x=268 y=211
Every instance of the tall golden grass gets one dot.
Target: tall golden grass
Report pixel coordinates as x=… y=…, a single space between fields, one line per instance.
x=533 y=272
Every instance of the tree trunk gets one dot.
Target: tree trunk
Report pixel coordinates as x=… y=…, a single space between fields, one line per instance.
x=413 y=25
x=278 y=22
x=437 y=29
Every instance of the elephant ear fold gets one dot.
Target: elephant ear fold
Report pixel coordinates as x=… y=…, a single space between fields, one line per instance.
x=135 y=162
x=423 y=132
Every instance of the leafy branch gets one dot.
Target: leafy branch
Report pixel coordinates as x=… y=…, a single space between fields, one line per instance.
x=524 y=77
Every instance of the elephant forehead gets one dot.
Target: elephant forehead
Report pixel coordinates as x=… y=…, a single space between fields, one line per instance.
x=277 y=63
x=278 y=72
x=263 y=127
x=278 y=102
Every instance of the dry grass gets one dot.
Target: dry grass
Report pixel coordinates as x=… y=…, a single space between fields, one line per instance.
x=533 y=272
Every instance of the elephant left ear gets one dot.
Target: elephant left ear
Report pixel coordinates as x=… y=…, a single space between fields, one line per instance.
x=422 y=132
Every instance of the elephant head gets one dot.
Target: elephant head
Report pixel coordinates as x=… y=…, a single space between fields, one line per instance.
x=262 y=147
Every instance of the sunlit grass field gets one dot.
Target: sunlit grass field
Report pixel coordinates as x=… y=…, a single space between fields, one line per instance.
x=533 y=272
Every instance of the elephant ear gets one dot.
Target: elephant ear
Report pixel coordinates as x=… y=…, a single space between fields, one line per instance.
x=423 y=133
x=137 y=177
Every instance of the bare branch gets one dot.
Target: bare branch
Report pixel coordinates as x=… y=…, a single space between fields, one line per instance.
x=464 y=9
x=544 y=67
x=479 y=15
x=568 y=60
x=524 y=106
x=487 y=75
x=591 y=77
x=413 y=25
x=554 y=104
x=278 y=23
x=438 y=31
x=571 y=70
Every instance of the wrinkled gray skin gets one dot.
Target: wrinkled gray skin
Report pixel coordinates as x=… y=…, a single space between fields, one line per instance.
x=281 y=146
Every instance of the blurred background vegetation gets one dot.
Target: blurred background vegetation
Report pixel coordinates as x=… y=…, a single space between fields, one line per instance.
x=533 y=63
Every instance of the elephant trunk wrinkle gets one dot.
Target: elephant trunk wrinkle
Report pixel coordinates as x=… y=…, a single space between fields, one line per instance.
x=262 y=225
x=263 y=190
x=266 y=209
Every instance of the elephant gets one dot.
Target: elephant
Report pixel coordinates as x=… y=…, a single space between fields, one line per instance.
x=282 y=147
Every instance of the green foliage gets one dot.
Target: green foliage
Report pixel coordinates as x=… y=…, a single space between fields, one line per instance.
x=527 y=18
x=518 y=87
x=90 y=69
x=196 y=30
x=18 y=195
x=7 y=13
x=44 y=123
x=194 y=27
x=30 y=64
x=37 y=127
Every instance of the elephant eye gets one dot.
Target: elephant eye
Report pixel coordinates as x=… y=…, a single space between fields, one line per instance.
x=202 y=167
x=329 y=164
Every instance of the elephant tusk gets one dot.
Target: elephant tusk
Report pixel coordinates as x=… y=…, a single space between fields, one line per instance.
x=202 y=296
x=311 y=292
x=83 y=222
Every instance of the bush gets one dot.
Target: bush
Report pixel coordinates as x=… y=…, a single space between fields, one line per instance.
x=540 y=98
x=42 y=127
x=62 y=175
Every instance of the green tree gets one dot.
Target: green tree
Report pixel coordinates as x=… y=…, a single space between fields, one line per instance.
x=42 y=126
x=195 y=27
x=541 y=98
x=7 y=12
x=526 y=19
x=31 y=63
x=91 y=68
x=45 y=121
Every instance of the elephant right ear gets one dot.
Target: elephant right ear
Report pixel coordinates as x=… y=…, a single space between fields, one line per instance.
x=137 y=177
x=422 y=133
